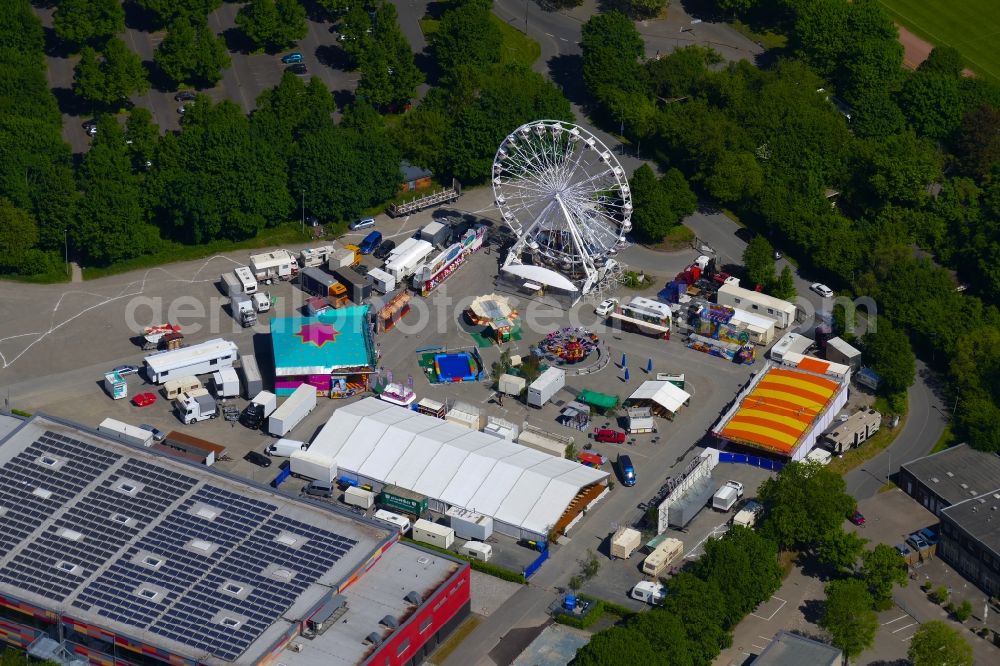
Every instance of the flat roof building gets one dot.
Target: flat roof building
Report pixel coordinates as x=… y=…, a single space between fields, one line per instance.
x=115 y=554
x=788 y=649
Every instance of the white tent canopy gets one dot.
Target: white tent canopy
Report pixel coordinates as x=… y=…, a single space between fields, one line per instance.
x=664 y=394
x=542 y=275
x=524 y=490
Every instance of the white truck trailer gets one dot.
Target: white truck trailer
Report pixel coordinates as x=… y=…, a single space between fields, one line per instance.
x=276 y=265
x=291 y=412
x=197 y=359
x=226 y=383
x=359 y=497
x=405 y=258
x=231 y=284
x=252 y=381
x=123 y=432
x=425 y=531
x=547 y=385
x=194 y=408
x=726 y=496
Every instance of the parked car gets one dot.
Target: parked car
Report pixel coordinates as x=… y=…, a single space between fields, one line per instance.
x=778 y=255
x=609 y=435
x=297 y=68
x=158 y=435
x=90 y=127
x=857 y=518
x=124 y=370
x=183 y=108
x=903 y=550
x=931 y=535
x=917 y=541
x=258 y=459
x=292 y=58
x=185 y=96
x=362 y=223
x=385 y=249
x=605 y=307
x=143 y=399
x=821 y=289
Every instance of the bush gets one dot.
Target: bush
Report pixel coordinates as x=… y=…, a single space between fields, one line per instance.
x=21 y=412
x=940 y=595
x=926 y=586
x=964 y=611
x=594 y=614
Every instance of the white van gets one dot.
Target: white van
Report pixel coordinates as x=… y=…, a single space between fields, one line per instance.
x=401 y=523
x=284 y=447
x=649 y=592
x=174 y=387
x=261 y=302
x=477 y=550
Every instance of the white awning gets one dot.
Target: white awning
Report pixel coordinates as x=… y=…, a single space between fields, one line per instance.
x=663 y=393
x=541 y=274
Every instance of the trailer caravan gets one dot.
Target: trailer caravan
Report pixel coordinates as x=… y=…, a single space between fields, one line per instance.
x=409 y=254
x=123 y=432
x=248 y=283
x=291 y=412
x=735 y=296
x=174 y=387
x=270 y=266
x=197 y=359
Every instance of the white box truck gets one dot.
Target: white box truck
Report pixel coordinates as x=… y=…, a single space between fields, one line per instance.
x=726 y=496
x=231 y=284
x=313 y=465
x=295 y=408
x=477 y=550
x=546 y=386
x=469 y=524
x=242 y=310
x=425 y=531
x=359 y=497
x=226 y=383
x=284 y=447
x=123 y=432
x=624 y=542
x=193 y=408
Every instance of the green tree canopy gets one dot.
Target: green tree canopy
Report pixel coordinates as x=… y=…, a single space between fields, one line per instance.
x=467 y=37
x=784 y=288
x=291 y=108
x=758 y=258
x=192 y=53
x=881 y=568
x=977 y=145
x=932 y=103
x=848 y=616
x=611 y=48
x=803 y=503
x=79 y=22
x=701 y=607
x=841 y=550
x=109 y=78
x=645 y=9
x=736 y=176
x=166 y=11
x=18 y=233
x=887 y=350
x=272 y=24
x=944 y=60
x=937 y=644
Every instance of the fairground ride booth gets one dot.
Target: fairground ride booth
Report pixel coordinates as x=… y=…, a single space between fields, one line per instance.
x=332 y=351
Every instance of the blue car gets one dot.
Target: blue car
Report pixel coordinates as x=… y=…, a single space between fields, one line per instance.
x=292 y=58
x=929 y=535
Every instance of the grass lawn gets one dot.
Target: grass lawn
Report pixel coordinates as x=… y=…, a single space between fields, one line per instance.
x=766 y=38
x=516 y=46
x=678 y=238
x=971 y=26
x=868 y=450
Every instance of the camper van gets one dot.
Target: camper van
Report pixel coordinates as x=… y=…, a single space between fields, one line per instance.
x=401 y=523
x=649 y=592
x=477 y=550
x=174 y=387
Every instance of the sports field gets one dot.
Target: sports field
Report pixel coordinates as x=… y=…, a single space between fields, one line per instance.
x=971 y=26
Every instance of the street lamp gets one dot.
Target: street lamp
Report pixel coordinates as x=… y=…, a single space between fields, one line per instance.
x=66 y=248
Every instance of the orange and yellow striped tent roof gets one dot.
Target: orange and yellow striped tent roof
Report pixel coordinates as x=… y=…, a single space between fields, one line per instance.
x=779 y=410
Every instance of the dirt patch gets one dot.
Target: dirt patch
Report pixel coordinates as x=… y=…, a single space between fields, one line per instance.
x=916 y=50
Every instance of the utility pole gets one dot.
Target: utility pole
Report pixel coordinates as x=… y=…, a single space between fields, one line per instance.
x=66 y=248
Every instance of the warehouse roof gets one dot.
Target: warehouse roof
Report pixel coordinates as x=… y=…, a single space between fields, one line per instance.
x=957 y=473
x=976 y=515
x=787 y=649
x=779 y=409
x=444 y=461
x=164 y=553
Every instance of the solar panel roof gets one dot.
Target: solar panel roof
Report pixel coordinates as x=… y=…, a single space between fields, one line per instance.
x=196 y=563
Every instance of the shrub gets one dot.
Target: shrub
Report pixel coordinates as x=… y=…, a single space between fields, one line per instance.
x=926 y=586
x=964 y=611
x=940 y=595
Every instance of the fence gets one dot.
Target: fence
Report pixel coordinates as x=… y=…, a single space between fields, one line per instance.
x=530 y=570
x=756 y=461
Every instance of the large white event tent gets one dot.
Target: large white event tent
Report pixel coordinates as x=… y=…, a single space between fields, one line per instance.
x=525 y=491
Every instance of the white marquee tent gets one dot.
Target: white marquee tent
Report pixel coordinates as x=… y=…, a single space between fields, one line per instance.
x=524 y=490
x=661 y=397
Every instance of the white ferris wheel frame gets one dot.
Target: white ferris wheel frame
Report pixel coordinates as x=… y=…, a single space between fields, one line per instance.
x=561 y=172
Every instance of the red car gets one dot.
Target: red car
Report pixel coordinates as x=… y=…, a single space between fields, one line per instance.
x=609 y=436
x=144 y=399
x=857 y=518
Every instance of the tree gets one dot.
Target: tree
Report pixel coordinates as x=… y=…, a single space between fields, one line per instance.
x=978 y=143
x=80 y=22
x=937 y=644
x=881 y=568
x=611 y=48
x=389 y=74
x=735 y=176
x=700 y=606
x=932 y=104
x=143 y=136
x=848 y=616
x=272 y=24
x=651 y=209
x=291 y=108
x=887 y=350
x=784 y=288
x=645 y=8
x=191 y=53
x=803 y=503
x=944 y=60
x=617 y=645
x=18 y=234
x=666 y=633
x=758 y=258
x=168 y=10
x=109 y=78
x=467 y=37
x=681 y=72
x=841 y=550
x=898 y=169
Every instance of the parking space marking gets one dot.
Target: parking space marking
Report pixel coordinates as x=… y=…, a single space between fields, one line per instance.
x=906 y=626
x=901 y=617
x=713 y=534
x=776 y=610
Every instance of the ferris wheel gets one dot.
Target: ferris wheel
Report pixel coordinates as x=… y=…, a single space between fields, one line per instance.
x=565 y=196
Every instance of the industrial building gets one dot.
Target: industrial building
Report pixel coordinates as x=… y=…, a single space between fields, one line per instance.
x=962 y=487
x=788 y=649
x=114 y=554
x=525 y=492
x=332 y=351
x=783 y=410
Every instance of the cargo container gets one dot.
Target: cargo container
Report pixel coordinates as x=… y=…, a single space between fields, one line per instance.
x=477 y=551
x=395 y=520
x=226 y=382
x=313 y=465
x=359 y=287
x=359 y=497
x=197 y=359
x=624 y=542
x=291 y=412
x=403 y=500
x=425 y=531
x=382 y=281
x=123 y=432
x=317 y=282
x=252 y=382
x=469 y=524
x=546 y=386
x=175 y=387
x=231 y=284
x=666 y=552
x=436 y=234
